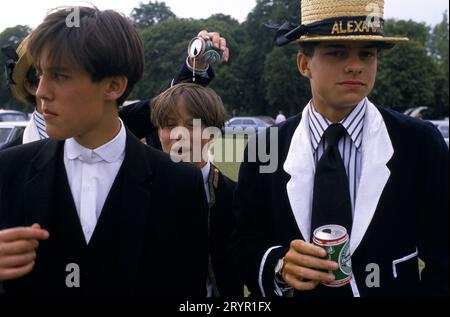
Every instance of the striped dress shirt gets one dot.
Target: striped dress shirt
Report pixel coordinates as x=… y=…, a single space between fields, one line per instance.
x=40 y=125
x=349 y=145
x=350 y=150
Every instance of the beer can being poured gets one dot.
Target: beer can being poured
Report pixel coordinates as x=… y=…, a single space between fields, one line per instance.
x=204 y=50
x=334 y=239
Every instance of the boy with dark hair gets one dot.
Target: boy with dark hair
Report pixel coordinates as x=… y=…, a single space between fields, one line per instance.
x=110 y=221
x=23 y=82
x=378 y=175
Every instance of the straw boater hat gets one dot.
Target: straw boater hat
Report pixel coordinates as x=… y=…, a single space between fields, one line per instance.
x=338 y=20
x=17 y=69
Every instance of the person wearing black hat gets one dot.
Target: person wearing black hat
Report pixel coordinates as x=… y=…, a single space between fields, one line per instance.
x=343 y=161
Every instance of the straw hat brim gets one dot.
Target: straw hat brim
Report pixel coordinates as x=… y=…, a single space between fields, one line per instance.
x=20 y=73
x=359 y=38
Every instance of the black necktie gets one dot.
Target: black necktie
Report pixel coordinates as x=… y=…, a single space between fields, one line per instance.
x=213 y=179
x=331 y=198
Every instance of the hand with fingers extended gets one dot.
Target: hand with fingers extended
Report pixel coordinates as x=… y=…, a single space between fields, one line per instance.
x=219 y=43
x=304 y=266
x=18 y=250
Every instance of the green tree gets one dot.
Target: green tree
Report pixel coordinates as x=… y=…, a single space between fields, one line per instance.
x=224 y=18
x=165 y=46
x=151 y=13
x=414 y=74
x=261 y=78
x=439 y=41
x=14 y=35
x=439 y=51
x=415 y=31
x=257 y=44
x=405 y=78
x=227 y=85
x=286 y=89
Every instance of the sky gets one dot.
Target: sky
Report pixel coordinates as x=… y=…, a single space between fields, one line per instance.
x=32 y=12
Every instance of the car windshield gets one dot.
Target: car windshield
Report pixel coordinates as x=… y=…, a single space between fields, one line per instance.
x=444 y=130
x=4 y=132
x=248 y=122
x=262 y=124
x=7 y=117
x=236 y=122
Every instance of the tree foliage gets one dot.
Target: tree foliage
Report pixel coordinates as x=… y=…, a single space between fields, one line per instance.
x=165 y=46
x=261 y=79
x=415 y=31
x=405 y=78
x=151 y=13
x=439 y=51
x=285 y=88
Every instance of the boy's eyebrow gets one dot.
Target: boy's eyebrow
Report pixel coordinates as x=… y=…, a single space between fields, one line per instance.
x=53 y=69
x=169 y=120
x=58 y=69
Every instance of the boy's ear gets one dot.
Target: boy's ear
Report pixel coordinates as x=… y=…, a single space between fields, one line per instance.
x=303 y=65
x=116 y=87
x=159 y=135
x=31 y=89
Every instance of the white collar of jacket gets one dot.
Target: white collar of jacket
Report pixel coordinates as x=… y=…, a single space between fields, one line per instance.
x=31 y=133
x=205 y=172
x=377 y=150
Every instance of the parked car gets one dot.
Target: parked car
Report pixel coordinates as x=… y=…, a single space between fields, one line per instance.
x=10 y=131
x=12 y=115
x=245 y=125
x=419 y=112
x=442 y=126
x=267 y=119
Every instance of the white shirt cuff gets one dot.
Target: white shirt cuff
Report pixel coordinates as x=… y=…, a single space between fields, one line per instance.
x=199 y=72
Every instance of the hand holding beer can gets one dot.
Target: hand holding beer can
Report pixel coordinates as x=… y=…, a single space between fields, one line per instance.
x=204 y=51
x=335 y=240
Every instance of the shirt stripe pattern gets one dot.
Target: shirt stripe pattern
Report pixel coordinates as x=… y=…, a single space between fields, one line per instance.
x=40 y=124
x=349 y=145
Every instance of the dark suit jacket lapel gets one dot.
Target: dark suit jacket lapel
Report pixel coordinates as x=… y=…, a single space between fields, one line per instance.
x=135 y=203
x=40 y=188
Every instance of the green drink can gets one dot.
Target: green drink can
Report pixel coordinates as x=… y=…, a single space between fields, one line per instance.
x=335 y=240
x=203 y=50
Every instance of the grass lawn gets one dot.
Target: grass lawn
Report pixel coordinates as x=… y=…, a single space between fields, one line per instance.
x=421 y=265
x=228 y=154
